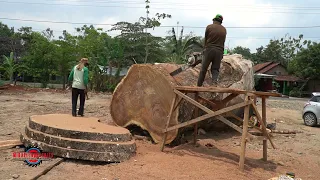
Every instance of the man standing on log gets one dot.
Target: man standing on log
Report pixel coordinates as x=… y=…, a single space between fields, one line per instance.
x=215 y=37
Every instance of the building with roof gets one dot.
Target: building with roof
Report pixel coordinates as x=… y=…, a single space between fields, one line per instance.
x=270 y=74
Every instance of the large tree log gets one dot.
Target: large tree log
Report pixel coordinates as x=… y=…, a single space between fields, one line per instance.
x=144 y=95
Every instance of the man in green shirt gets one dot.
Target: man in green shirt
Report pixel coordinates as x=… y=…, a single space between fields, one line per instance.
x=79 y=76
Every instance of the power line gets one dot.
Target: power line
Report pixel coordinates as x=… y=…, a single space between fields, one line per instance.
x=165 y=26
x=142 y=7
x=196 y=4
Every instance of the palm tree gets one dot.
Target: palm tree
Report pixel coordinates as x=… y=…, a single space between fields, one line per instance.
x=181 y=46
x=10 y=67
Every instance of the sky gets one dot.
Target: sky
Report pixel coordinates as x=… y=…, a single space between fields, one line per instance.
x=248 y=22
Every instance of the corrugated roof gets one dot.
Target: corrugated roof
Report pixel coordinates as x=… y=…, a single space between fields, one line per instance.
x=269 y=67
x=258 y=67
x=287 y=78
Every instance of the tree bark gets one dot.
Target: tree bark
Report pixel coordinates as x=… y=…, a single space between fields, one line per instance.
x=144 y=95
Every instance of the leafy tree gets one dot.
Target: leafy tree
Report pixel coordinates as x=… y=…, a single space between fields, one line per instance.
x=151 y=23
x=179 y=46
x=66 y=55
x=41 y=57
x=6 y=38
x=307 y=62
x=9 y=66
x=245 y=52
x=280 y=50
x=133 y=38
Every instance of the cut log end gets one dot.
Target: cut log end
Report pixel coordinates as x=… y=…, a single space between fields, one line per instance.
x=145 y=94
x=143 y=98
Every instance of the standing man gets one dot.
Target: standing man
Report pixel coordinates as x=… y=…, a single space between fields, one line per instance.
x=79 y=76
x=215 y=37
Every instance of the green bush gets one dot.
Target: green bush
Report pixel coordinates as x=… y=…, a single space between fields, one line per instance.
x=295 y=92
x=1 y=83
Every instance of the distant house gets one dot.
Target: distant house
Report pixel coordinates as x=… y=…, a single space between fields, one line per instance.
x=271 y=73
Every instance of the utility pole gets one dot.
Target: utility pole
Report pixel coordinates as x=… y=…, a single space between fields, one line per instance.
x=146 y=26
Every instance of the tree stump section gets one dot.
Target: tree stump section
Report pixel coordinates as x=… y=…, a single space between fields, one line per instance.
x=79 y=138
x=144 y=95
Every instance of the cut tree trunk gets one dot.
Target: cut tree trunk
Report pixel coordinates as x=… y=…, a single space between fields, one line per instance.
x=144 y=95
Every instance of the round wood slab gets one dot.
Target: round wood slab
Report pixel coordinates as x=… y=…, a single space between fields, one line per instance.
x=67 y=126
x=79 y=138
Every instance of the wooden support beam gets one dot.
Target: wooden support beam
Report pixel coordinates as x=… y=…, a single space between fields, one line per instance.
x=225 y=90
x=243 y=139
x=196 y=114
x=228 y=98
x=190 y=100
x=177 y=105
x=208 y=101
x=168 y=121
x=264 y=120
x=264 y=128
x=209 y=115
x=237 y=128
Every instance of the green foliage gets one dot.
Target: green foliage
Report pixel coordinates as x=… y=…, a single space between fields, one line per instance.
x=133 y=41
x=280 y=50
x=179 y=47
x=245 y=52
x=9 y=67
x=295 y=92
x=307 y=62
x=275 y=84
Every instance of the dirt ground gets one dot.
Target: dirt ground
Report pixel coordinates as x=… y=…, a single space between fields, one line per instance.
x=298 y=153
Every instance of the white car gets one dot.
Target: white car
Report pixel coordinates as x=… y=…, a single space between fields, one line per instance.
x=311 y=110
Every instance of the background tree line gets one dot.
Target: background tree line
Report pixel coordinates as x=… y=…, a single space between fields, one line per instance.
x=41 y=55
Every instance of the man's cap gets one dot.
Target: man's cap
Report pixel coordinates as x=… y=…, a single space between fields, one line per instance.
x=218 y=17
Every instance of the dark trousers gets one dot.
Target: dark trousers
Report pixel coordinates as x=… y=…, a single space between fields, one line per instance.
x=75 y=94
x=213 y=56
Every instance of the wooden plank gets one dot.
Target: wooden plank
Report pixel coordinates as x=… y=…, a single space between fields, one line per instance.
x=196 y=114
x=243 y=138
x=168 y=121
x=209 y=115
x=208 y=101
x=9 y=144
x=229 y=98
x=264 y=120
x=225 y=90
x=241 y=120
x=264 y=128
x=46 y=170
x=237 y=128
x=177 y=105
x=190 y=100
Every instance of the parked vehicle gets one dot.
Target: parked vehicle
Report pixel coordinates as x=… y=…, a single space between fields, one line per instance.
x=311 y=110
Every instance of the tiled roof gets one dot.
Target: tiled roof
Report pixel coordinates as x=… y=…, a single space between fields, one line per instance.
x=264 y=67
x=287 y=78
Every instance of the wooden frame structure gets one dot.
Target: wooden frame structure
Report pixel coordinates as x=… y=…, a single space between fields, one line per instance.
x=219 y=109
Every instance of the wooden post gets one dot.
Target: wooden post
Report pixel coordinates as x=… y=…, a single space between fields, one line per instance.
x=168 y=121
x=244 y=135
x=264 y=119
x=196 y=114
